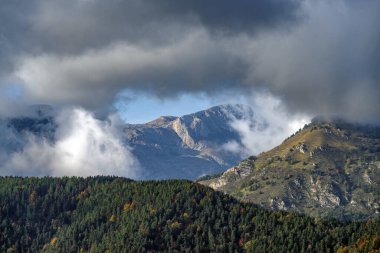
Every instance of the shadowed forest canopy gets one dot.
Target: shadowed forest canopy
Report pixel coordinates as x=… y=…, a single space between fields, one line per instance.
x=108 y=214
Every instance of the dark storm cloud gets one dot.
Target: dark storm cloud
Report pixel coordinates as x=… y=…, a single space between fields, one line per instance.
x=329 y=65
x=60 y=32
x=319 y=57
x=231 y=17
x=74 y=25
x=14 y=22
x=86 y=51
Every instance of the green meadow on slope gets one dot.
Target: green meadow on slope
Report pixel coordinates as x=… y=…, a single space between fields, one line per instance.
x=107 y=214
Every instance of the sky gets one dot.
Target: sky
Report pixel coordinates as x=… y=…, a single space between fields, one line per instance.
x=141 y=59
x=140 y=108
x=319 y=57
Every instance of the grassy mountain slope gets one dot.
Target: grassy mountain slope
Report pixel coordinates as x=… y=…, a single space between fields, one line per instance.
x=327 y=168
x=105 y=214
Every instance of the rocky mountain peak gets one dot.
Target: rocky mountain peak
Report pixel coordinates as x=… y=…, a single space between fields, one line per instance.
x=162 y=121
x=227 y=111
x=187 y=146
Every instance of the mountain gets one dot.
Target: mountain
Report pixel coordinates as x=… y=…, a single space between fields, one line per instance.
x=184 y=147
x=329 y=168
x=38 y=120
x=108 y=214
x=189 y=146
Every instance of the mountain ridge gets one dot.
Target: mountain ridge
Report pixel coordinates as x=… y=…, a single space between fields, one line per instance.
x=329 y=168
x=184 y=147
x=194 y=141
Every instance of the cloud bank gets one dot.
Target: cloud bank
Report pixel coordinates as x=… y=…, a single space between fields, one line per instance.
x=319 y=57
x=268 y=126
x=312 y=57
x=329 y=64
x=159 y=47
x=82 y=146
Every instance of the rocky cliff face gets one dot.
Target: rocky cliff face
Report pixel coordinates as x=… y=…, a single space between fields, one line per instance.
x=189 y=146
x=330 y=168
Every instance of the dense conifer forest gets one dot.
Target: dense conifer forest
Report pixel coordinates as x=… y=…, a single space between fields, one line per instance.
x=109 y=214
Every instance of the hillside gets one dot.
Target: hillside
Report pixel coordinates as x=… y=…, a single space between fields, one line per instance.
x=106 y=214
x=329 y=168
x=189 y=146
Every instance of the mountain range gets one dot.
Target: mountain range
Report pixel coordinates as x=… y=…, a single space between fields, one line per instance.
x=185 y=147
x=329 y=168
x=189 y=146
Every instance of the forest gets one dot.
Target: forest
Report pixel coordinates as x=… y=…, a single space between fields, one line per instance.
x=112 y=214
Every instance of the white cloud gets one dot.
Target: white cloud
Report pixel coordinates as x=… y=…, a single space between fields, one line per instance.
x=266 y=128
x=84 y=146
x=93 y=78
